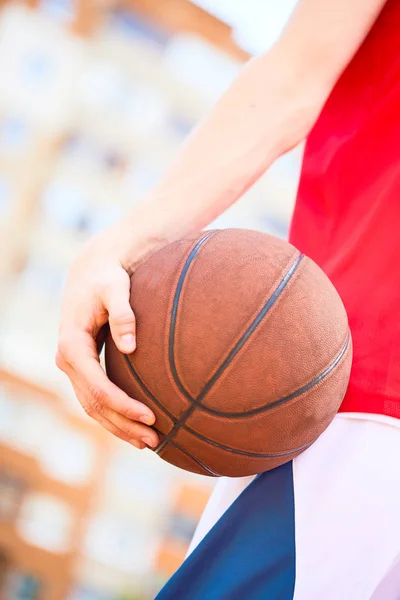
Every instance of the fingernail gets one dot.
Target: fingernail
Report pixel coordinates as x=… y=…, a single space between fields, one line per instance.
x=127 y=342
x=147 y=419
x=148 y=442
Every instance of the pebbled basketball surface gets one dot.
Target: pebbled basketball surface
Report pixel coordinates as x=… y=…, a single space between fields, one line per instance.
x=244 y=351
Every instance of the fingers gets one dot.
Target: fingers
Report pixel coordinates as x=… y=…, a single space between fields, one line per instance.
x=121 y=317
x=109 y=426
x=93 y=297
x=77 y=357
x=135 y=432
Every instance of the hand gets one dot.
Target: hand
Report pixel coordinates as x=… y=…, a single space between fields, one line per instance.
x=97 y=291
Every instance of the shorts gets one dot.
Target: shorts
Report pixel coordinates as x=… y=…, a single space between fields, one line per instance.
x=324 y=526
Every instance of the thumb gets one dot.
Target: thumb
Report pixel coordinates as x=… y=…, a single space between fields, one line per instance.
x=120 y=313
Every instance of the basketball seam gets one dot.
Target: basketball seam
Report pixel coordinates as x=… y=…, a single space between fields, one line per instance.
x=191 y=256
x=217 y=444
x=298 y=392
x=256 y=454
x=195 y=402
x=146 y=390
x=244 y=452
x=175 y=318
x=195 y=459
x=175 y=305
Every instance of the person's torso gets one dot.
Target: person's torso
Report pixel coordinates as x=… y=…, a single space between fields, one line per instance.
x=347 y=215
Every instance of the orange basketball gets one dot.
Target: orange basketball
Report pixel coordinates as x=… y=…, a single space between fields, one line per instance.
x=244 y=351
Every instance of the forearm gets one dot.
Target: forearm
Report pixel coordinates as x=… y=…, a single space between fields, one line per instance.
x=264 y=113
x=269 y=109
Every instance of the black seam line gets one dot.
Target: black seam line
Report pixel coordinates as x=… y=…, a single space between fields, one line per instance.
x=146 y=390
x=132 y=369
x=171 y=341
x=196 y=460
x=243 y=452
x=237 y=347
x=305 y=388
x=199 y=435
x=237 y=415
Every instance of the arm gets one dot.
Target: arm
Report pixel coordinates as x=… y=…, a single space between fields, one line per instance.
x=269 y=109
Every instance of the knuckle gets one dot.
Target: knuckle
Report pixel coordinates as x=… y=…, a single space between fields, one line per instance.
x=130 y=413
x=123 y=319
x=105 y=282
x=99 y=399
x=119 y=433
x=131 y=409
x=89 y=410
x=132 y=433
x=94 y=409
x=97 y=407
x=60 y=362
x=65 y=343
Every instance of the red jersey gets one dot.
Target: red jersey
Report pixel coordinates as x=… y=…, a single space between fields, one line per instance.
x=347 y=214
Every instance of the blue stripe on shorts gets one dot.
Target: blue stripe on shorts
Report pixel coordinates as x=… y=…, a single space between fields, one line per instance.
x=249 y=554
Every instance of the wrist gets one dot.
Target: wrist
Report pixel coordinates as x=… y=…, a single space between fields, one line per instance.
x=139 y=236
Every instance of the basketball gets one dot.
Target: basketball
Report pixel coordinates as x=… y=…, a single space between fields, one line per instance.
x=244 y=351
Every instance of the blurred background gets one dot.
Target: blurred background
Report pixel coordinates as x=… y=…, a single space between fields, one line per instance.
x=95 y=98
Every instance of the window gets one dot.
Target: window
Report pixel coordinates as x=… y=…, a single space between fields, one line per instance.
x=12 y=489
x=22 y=586
x=46 y=522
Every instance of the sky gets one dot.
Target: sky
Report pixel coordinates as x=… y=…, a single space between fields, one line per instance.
x=256 y=23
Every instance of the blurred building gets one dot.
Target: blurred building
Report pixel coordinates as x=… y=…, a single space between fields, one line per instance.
x=95 y=99
x=83 y=516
